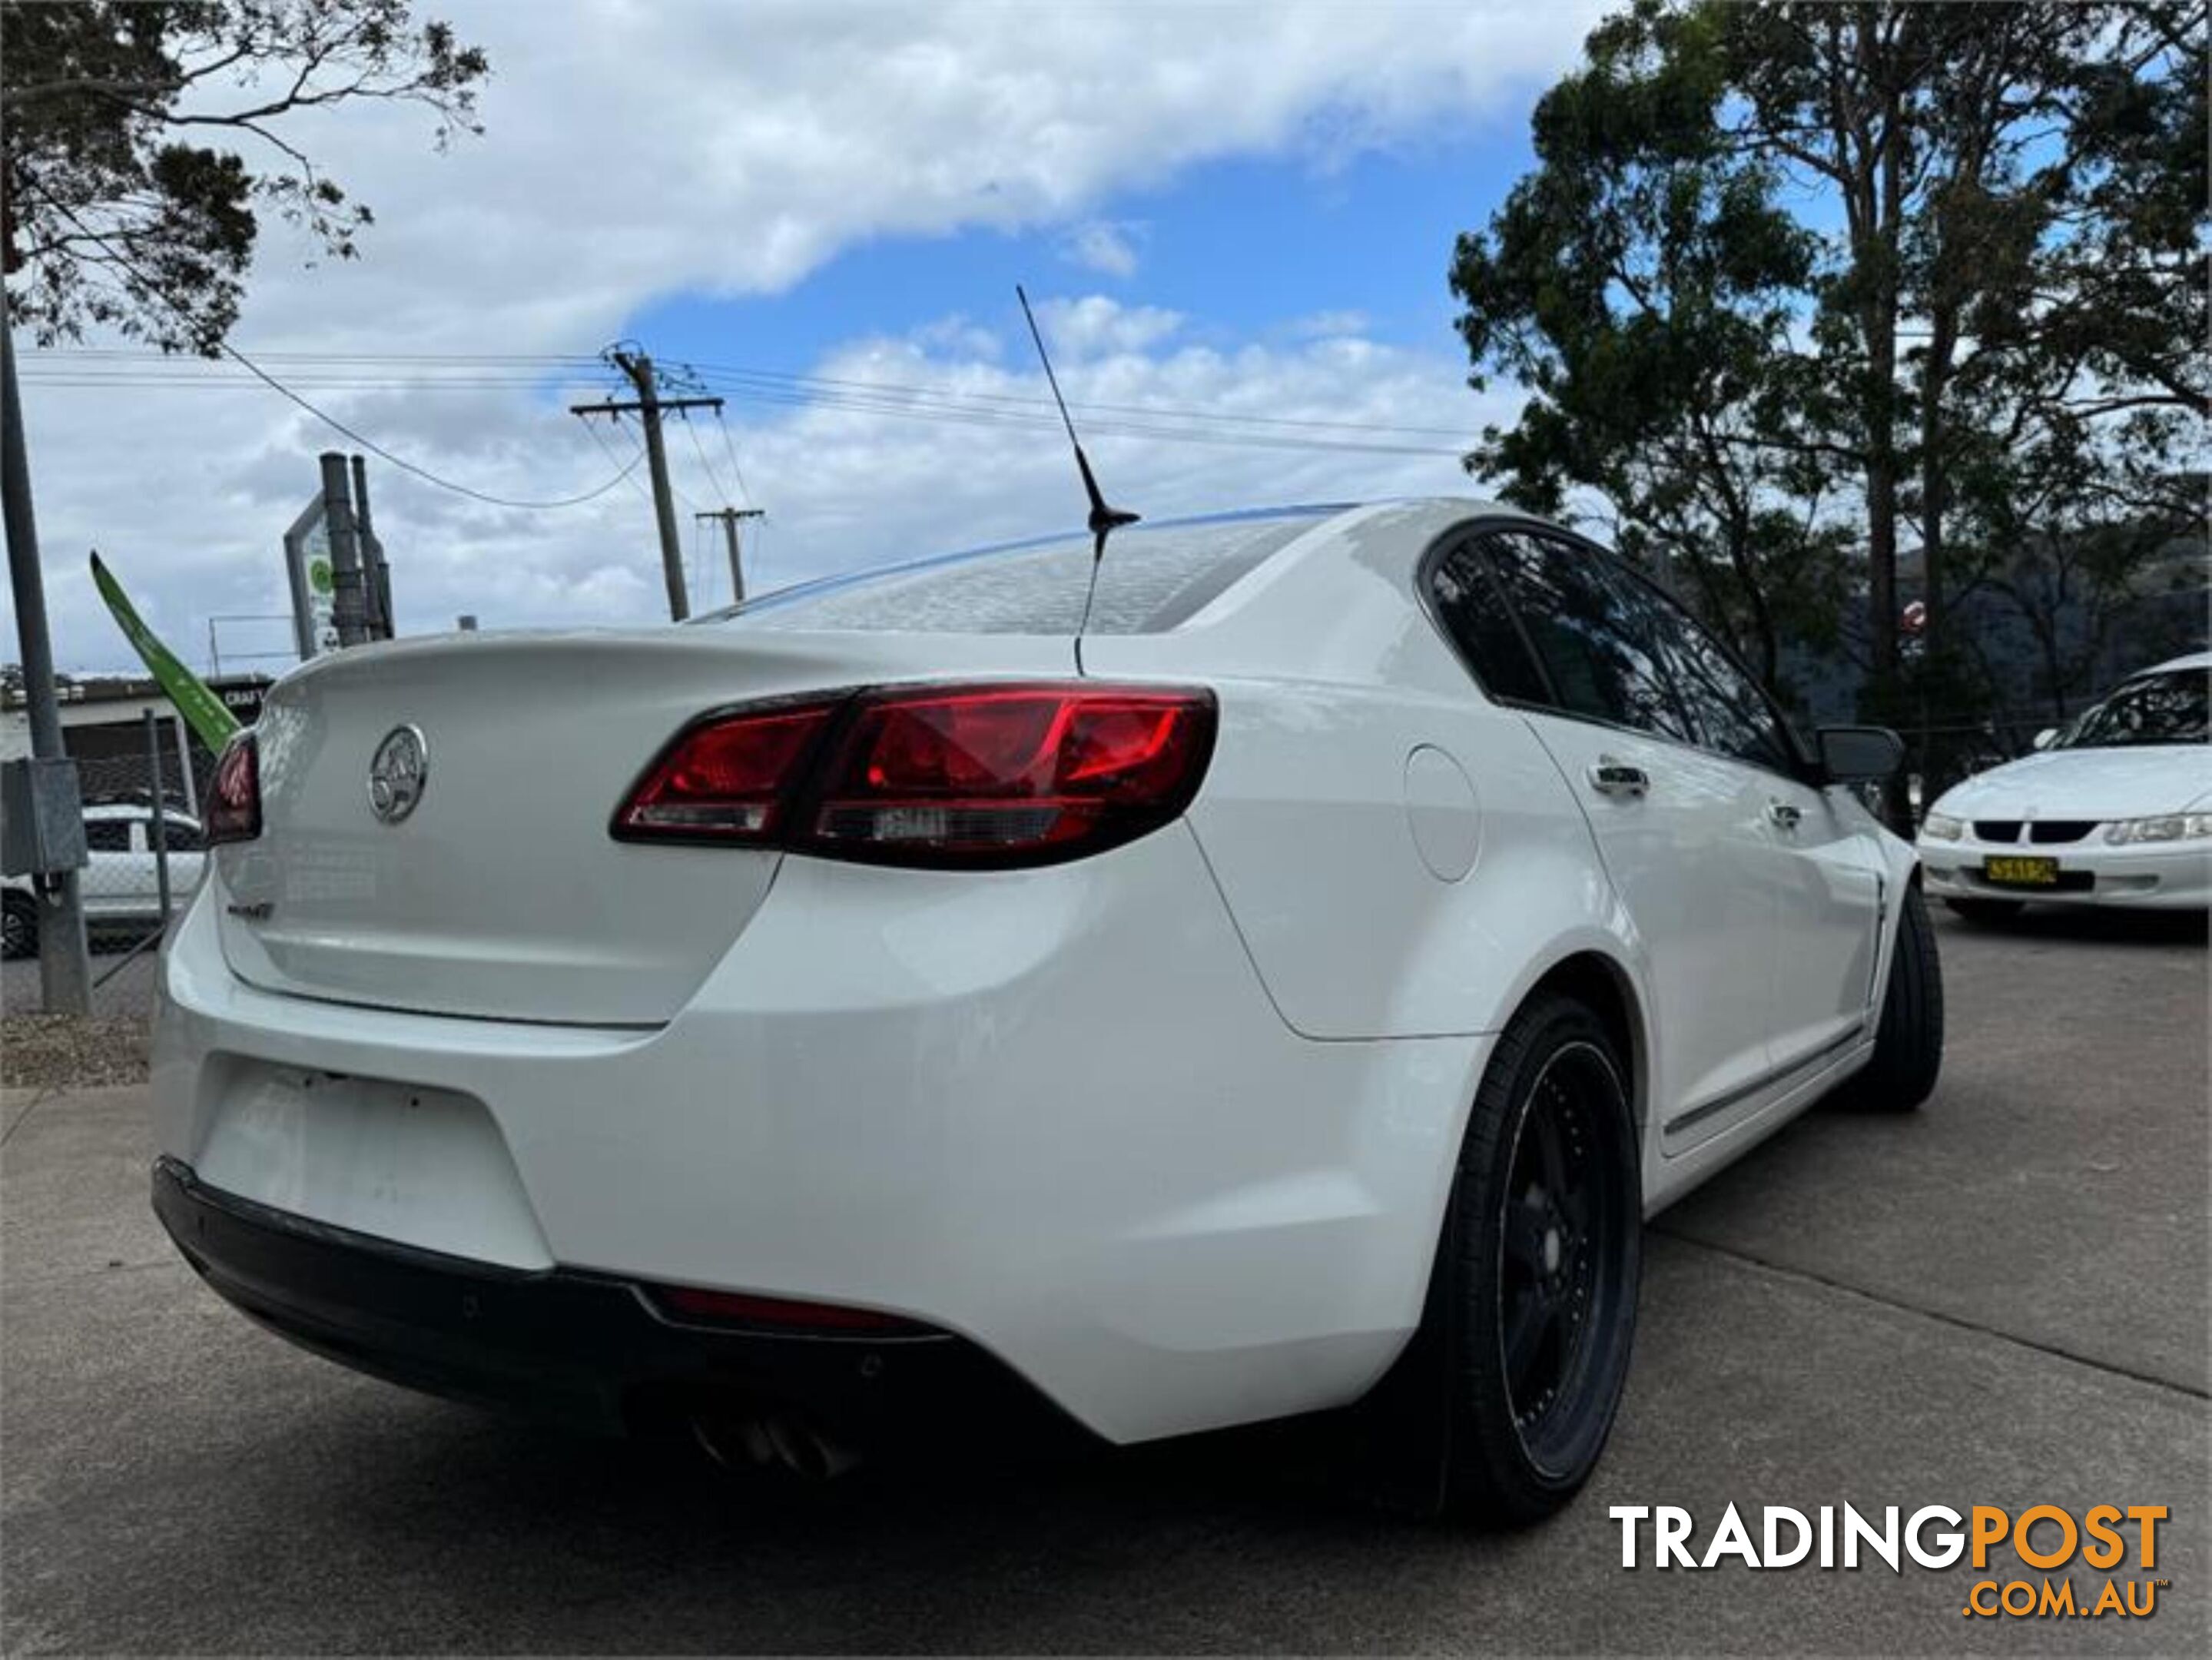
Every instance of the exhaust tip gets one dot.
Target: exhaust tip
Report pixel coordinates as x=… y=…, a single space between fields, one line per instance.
x=783 y=1440
x=807 y=1451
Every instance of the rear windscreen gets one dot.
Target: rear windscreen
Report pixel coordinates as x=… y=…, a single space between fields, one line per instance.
x=1154 y=578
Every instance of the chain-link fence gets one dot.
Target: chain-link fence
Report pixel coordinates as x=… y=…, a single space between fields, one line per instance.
x=144 y=854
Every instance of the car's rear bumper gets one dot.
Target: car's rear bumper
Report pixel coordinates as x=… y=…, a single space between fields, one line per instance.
x=587 y=1349
x=2138 y=878
x=1052 y=1111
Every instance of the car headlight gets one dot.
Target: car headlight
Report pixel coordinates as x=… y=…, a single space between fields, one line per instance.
x=2167 y=827
x=1942 y=826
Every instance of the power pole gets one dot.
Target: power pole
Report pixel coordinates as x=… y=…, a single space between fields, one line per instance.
x=65 y=966
x=375 y=571
x=729 y=517
x=649 y=406
x=349 y=609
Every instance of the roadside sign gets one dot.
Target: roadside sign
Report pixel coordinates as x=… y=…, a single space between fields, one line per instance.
x=322 y=589
x=311 y=576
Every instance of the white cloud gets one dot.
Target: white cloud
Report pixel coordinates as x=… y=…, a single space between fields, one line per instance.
x=959 y=334
x=636 y=151
x=1108 y=246
x=1095 y=325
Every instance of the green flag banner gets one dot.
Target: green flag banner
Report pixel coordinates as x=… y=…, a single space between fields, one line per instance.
x=202 y=710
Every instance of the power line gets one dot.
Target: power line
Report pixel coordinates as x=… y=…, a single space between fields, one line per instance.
x=1178 y=429
x=147 y=354
x=731 y=373
x=731 y=449
x=352 y=433
x=714 y=480
x=776 y=387
x=1172 y=430
x=629 y=471
x=326 y=418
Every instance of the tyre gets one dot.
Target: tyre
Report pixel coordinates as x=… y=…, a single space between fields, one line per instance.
x=1908 y=1048
x=1987 y=910
x=1501 y=1403
x=18 y=927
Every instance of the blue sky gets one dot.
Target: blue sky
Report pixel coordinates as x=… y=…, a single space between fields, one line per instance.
x=1249 y=247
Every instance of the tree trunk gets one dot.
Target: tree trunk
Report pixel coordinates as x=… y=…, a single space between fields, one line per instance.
x=2054 y=666
x=1754 y=591
x=1936 y=465
x=1876 y=262
x=1878 y=268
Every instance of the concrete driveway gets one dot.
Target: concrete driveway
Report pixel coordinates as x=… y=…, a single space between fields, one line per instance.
x=2001 y=1300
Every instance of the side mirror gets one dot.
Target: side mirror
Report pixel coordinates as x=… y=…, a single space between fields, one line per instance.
x=2042 y=738
x=1859 y=754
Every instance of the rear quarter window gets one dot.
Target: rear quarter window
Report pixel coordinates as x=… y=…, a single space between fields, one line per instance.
x=1469 y=605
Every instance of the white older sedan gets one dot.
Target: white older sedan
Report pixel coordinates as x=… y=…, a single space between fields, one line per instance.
x=2116 y=809
x=121 y=886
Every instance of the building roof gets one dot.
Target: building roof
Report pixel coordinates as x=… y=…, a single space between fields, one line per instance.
x=124 y=688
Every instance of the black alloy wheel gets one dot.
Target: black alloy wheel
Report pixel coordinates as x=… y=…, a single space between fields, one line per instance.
x=1908 y=1046
x=1561 y=1219
x=1500 y=1405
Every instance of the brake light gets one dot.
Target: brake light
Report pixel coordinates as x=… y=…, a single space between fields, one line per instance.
x=724 y=779
x=234 y=798
x=1025 y=774
x=976 y=776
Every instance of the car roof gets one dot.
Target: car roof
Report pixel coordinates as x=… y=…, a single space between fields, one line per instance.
x=1430 y=515
x=2195 y=659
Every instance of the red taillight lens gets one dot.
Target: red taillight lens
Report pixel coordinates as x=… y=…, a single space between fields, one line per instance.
x=235 y=799
x=725 y=779
x=972 y=775
x=1009 y=774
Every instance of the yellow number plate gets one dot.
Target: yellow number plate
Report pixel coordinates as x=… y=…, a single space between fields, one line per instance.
x=2021 y=872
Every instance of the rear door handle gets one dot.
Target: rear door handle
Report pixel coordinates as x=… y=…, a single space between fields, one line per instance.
x=1611 y=777
x=1784 y=816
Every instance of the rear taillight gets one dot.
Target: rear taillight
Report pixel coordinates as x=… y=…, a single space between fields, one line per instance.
x=235 y=799
x=977 y=776
x=725 y=779
x=991 y=775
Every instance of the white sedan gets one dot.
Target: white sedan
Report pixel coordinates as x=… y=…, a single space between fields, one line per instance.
x=2116 y=809
x=894 y=1002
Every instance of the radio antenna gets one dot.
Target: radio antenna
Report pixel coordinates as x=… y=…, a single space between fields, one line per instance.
x=1104 y=520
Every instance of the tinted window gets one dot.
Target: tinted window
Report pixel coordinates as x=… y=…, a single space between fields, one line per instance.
x=180 y=837
x=1594 y=647
x=107 y=835
x=1154 y=578
x=1469 y=605
x=2161 y=708
x=1731 y=714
